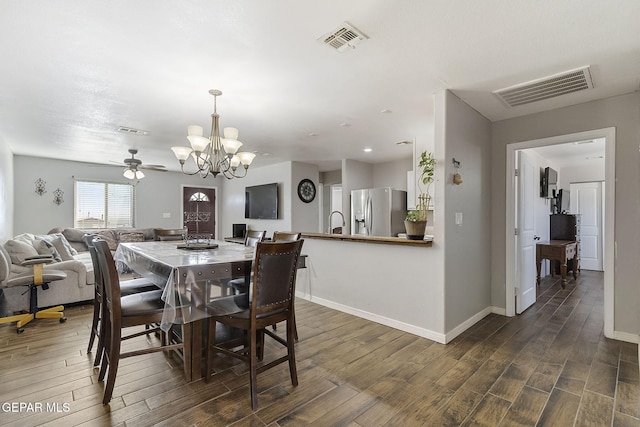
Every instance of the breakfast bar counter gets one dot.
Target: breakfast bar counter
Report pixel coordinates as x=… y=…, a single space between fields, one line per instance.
x=369 y=239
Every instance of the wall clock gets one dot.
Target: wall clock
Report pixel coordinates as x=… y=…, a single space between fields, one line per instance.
x=306 y=190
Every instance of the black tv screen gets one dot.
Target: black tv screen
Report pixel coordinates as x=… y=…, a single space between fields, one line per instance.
x=261 y=201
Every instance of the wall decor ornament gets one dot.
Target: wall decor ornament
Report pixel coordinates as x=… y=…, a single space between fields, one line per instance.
x=57 y=196
x=40 y=186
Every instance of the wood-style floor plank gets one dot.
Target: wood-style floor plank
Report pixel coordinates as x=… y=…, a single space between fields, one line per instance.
x=551 y=365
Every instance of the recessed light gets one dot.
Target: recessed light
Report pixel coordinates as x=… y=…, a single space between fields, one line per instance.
x=368 y=150
x=385 y=111
x=313 y=134
x=345 y=125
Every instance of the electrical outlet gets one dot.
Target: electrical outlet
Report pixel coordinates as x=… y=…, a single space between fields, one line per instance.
x=166 y=215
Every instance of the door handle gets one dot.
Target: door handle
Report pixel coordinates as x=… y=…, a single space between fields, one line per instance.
x=536 y=237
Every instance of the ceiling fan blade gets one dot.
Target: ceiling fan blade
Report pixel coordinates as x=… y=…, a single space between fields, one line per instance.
x=157 y=168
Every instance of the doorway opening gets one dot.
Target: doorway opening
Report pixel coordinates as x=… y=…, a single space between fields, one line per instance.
x=511 y=261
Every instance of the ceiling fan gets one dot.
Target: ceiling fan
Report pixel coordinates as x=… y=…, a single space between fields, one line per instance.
x=134 y=165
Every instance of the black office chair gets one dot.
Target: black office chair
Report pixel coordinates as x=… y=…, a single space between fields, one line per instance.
x=38 y=277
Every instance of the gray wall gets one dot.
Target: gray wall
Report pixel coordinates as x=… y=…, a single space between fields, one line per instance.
x=6 y=192
x=157 y=193
x=621 y=112
x=467 y=281
x=287 y=175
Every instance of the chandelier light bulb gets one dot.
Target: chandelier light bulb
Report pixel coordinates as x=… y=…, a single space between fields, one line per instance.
x=129 y=174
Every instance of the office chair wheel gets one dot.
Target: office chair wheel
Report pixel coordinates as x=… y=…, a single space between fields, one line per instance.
x=19 y=330
x=63 y=319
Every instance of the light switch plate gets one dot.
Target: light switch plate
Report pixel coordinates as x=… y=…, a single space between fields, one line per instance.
x=166 y=215
x=458 y=218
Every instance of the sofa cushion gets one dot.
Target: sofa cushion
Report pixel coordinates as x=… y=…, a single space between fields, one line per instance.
x=44 y=247
x=128 y=236
x=108 y=236
x=62 y=249
x=65 y=242
x=19 y=251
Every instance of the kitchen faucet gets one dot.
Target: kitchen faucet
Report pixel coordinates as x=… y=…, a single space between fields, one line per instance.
x=330 y=229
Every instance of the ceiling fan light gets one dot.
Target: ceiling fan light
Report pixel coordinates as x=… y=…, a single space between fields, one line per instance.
x=231 y=133
x=194 y=130
x=139 y=175
x=198 y=143
x=231 y=146
x=246 y=158
x=182 y=153
x=129 y=174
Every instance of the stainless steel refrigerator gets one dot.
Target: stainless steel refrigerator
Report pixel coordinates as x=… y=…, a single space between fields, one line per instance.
x=378 y=212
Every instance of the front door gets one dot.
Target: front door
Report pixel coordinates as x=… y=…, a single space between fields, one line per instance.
x=525 y=220
x=199 y=213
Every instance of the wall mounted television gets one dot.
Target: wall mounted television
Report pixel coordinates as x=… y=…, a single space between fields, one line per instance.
x=548 y=183
x=261 y=201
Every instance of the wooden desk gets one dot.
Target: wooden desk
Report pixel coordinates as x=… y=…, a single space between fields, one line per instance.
x=558 y=250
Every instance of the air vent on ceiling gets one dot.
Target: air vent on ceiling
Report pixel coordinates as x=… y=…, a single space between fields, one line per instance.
x=126 y=129
x=547 y=87
x=343 y=37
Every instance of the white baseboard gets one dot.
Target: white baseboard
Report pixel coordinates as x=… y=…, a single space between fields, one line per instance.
x=412 y=329
x=499 y=310
x=627 y=337
x=467 y=324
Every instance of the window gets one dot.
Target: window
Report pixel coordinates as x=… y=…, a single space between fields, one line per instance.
x=103 y=205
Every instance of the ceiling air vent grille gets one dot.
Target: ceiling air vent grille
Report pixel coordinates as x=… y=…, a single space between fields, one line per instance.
x=548 y=87
x=345 y=36
x=135 y=131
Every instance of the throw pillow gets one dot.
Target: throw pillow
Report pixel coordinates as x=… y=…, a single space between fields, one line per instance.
x=19 y=251
x=62 y=249
x=126 y=237
x=46 y=248
x=65 y=242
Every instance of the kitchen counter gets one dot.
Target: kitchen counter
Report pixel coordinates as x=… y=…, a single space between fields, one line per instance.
x=368 y=239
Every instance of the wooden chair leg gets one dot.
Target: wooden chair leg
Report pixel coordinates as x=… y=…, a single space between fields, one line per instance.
x=253 y=361
x=114 y=358
x=291 y=327
x=94 y=324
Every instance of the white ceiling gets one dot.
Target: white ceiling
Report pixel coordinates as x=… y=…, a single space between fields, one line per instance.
x=74 y=71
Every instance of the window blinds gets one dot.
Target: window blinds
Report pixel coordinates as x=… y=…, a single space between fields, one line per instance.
x=104 y=205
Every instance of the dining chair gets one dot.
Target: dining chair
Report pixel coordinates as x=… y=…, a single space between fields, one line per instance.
x=287 y=236
x=271 y=301
x=127 y=287
x=252 y=238
x=143 y=308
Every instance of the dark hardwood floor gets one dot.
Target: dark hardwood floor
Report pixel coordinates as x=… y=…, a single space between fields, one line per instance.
x=550 y=366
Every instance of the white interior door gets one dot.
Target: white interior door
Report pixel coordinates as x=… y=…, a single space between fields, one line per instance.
x=586 y=201
x=528 y=179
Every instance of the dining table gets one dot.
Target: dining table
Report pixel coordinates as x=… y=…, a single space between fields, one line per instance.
x=190 y=277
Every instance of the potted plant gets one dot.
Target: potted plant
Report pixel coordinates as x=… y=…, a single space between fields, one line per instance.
x=416 y=220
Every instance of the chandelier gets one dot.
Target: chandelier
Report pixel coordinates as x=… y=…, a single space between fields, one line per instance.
x=214 y=155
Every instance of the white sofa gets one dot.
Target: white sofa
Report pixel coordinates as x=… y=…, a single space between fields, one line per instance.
x=78 y=286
